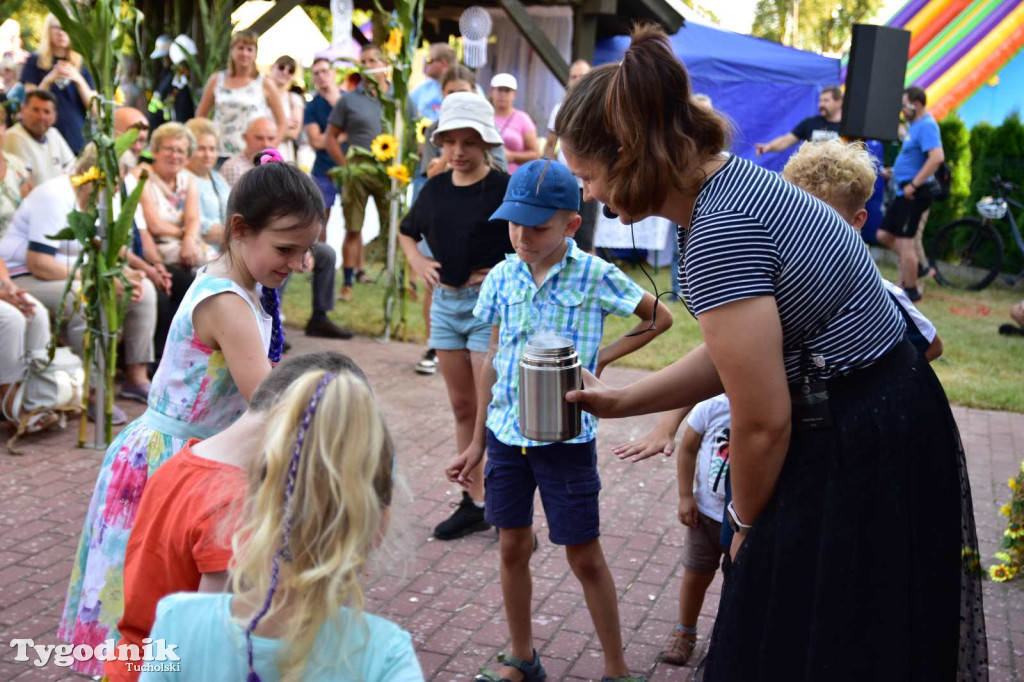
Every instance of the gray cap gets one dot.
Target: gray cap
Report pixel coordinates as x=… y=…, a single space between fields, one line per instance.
x=163 y=46
x=467 y=110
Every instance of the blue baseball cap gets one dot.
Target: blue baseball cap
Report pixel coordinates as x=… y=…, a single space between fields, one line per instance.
x=538 y=190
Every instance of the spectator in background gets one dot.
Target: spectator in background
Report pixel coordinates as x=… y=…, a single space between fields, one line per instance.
x=914 y=169
x=24 y=327
x=143 y=255
x=516 y=127
x=315 y=124
x=161 y=56
x=282 y=74
x=128 y=92
x=239 y=94
x=40 y=265
x=258 y=137
x=15 y=181
x=824 y=126
x=358 y=114
x=58 y=68
x=170 y=200
x=260 y=134
x=35 y=140
x=588 y=209
x=426 y=98
x=172 y=100
x=8 y=76
x=213 y=188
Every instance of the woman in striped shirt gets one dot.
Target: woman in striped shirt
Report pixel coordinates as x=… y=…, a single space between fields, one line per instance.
x=850 y=490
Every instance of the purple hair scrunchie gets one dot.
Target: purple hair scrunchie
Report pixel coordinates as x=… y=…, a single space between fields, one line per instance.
x=270 y=155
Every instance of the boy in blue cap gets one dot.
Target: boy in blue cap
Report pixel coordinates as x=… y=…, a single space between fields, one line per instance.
x=548 y=286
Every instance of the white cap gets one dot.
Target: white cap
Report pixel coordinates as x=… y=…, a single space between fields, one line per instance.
x=467 y=110
x=179 y=47
x=504 y=80
x=163 y=44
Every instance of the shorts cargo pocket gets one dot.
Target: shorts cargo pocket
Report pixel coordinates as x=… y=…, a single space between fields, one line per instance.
x=581 y=504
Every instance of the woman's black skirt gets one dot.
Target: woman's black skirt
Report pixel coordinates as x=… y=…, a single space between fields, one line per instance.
x=864 y=564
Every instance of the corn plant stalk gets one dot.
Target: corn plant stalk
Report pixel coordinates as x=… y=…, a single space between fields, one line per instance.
x=98 y=29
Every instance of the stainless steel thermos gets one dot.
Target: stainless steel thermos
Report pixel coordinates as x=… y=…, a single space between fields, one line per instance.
x=548 y=369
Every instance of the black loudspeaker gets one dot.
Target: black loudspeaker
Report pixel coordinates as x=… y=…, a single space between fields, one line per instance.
x=874 y=82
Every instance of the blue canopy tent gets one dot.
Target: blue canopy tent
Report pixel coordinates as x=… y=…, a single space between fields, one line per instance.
x=764 y=88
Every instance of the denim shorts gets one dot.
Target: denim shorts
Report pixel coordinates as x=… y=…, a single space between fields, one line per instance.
x=327 y=188
x=565 y=473
x=452 y=325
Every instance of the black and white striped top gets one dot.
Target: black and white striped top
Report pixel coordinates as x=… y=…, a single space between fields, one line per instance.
x=754 y=234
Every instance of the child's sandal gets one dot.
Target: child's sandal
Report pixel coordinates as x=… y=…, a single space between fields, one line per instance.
x=532 y=671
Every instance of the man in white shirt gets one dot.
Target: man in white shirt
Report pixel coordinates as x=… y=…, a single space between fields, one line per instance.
x=36 y=142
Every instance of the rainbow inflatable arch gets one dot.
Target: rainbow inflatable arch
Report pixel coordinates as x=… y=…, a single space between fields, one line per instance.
x=956 y=46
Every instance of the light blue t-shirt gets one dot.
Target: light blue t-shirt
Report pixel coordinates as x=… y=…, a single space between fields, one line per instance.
x=212 y=646
x=922 y=136
x=427 y=99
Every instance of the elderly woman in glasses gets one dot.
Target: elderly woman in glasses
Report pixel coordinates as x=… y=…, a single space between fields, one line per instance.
x=282 y=73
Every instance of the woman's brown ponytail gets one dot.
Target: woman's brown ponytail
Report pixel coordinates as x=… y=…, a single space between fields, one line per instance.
x=638 y=118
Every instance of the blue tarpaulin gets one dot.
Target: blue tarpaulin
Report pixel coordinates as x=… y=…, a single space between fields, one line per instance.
x=764 y=88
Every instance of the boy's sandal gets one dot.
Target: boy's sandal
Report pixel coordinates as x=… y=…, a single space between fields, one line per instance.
x=532 y=671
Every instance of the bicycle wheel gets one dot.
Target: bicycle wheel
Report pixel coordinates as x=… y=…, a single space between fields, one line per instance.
x=966 y=254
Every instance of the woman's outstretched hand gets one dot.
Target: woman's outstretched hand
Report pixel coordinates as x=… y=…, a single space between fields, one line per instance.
x=596 y=397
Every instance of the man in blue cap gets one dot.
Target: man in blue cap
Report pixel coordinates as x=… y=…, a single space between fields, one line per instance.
x=549 y=286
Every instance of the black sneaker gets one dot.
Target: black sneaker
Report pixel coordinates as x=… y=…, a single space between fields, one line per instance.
x=321 y=326
x=1008 y=329
x=468 y=518
x=912 y=293
x=428 y=363
x=924 y=272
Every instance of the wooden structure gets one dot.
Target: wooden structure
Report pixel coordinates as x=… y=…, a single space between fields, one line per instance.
x=592 y=20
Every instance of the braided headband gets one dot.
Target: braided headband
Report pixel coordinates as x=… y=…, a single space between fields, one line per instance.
x=270 y=155
x=283 y=552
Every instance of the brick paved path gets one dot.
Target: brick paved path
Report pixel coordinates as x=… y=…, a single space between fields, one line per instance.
x=448 y=594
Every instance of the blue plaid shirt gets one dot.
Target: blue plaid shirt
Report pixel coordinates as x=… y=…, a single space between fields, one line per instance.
x=578 y=293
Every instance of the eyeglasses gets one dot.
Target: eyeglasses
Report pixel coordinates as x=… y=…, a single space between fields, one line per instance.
x=283 y=67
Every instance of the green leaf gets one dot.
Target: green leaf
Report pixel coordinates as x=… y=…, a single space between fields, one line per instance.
x=122 y=227
x=64 y=234
x=124 y=141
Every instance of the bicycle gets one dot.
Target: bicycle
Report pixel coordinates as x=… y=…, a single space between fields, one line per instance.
x=968 y=253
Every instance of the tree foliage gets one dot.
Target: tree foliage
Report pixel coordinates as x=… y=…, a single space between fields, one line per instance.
x=816 y=25
x=956 y=144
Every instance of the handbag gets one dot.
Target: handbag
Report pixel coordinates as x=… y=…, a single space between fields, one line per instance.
x=48 y=391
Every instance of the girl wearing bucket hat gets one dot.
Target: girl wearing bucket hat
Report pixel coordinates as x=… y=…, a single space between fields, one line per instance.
x=518 y=131
x=453 y=214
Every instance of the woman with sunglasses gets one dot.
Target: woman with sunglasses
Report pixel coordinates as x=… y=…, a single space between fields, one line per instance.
x=238 y=95
x=282 y=74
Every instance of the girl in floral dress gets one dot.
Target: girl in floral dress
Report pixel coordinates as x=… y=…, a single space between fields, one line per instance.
x=220 y=347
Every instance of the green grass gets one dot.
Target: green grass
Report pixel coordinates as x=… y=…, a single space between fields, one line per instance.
x=979 y=368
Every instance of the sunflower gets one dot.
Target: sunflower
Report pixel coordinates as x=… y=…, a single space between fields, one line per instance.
x=384 y=147
x=1005 y=509
x=1012 y=483
x=1000 y=573
x=1014 y=531
x=394 y=44
x=399 y=172
x=88 y=176
x=421 y=129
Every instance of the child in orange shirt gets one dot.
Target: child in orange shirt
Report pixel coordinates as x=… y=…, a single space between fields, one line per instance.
x=181 y=538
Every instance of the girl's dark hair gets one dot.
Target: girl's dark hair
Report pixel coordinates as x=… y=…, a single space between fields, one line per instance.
x=264 y=194
x=458 y=72
x=637 y=118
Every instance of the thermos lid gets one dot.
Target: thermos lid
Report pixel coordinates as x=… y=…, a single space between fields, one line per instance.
x=548 y=346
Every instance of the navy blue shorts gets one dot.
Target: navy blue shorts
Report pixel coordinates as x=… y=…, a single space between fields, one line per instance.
x=566 y=474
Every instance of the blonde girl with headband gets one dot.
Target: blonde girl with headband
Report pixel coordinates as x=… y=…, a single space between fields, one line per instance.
x=222 y=341
x=318 y=505
x=239 y=94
